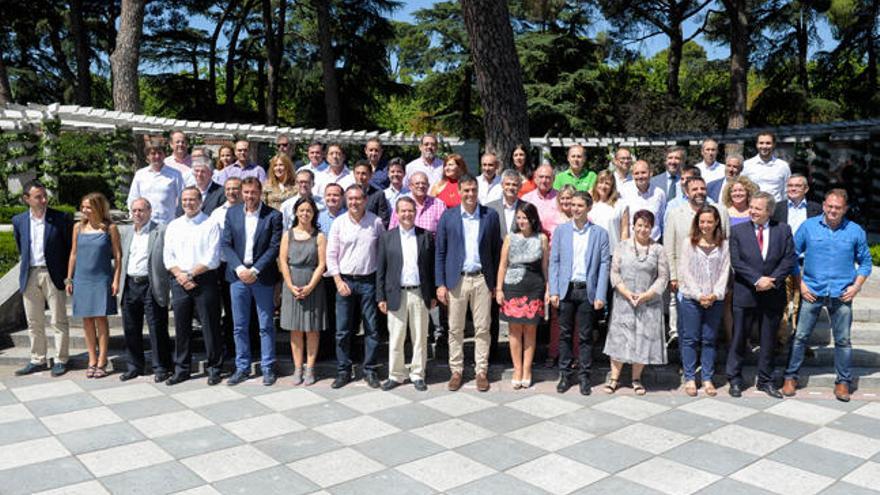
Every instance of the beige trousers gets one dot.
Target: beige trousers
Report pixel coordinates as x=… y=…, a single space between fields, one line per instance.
x=474 y=291
x=37 y=293
x=413 y=310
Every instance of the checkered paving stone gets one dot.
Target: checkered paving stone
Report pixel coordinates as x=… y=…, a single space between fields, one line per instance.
x=72 y=435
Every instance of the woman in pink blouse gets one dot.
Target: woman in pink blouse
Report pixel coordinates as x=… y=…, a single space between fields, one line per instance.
x=704 y=269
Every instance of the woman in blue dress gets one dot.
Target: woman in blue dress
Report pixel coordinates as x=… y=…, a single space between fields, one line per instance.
x=93 y=277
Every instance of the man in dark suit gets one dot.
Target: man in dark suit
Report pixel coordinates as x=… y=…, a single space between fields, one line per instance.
x=251 y=239
x=212 y=192
x=733 y=166
x=376 y=202
x=762 y=255
x=670 y=180
x=405 y=291
x=145 y=291
x=43 y=236
x=466 y=267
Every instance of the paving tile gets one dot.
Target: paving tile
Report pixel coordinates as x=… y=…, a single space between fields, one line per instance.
x=557 y=474
x=497 y=483
x=411 y=416
x=614 y=484
x=20 y=431
x=199 y=490
x=544 y=406
x=388 y=482
x=168 y=477
x=296 y=446
x=356 y=430
x=335 y=467
x=50 y=390
x=592 y=421
x=169 y=424
x=233 y=410
x=630 y=408
x=669 y=476
x=55 y=474
x=445 y=470
x=751 y=398
x=321 y=414
x=649 y=438
x=842 y=488
x=458 y=404
x=782 y=478
x=127 y=457
x=710 y=457
x=844 y=442
x=867 y=476
x=126 y=393
x=684 y=422
x=263 y=427
x=289 y=399
x=500 y=419
x=206 y=396
x=14 y=412
x=452 y=433
x=6 y=398
x=398 y=448
x=195 y=442
x=100 y=438
x=228 y=463
x=147 y=407
x=605 y=455
x=857 y=423
x=718 y=409
x=771 y=423
x=871 y=410
x=31 y=452
x=500 y=452
x=274 y=480
x=373 y=401
x=745 y=439
x=59 y=405
x=93 y=487
x=805 y=411
x=80 y=420
x=816 y=459
x=549 y=435
x=728 y=486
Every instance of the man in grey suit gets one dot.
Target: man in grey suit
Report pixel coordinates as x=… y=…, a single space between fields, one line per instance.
x=505 y=207
x=670 y=180
x=145 y=292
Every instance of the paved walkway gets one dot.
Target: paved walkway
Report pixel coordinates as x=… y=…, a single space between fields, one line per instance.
x=73 y=435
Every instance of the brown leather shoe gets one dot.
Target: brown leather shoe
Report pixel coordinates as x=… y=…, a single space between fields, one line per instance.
x=841 y=391
x=482 y=382
x=789 y=388
x=455 y=381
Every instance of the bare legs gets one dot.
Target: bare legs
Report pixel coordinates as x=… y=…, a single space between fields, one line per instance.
x=97 y=333
x=522 y=351
x=311 y=349
x=614 y=379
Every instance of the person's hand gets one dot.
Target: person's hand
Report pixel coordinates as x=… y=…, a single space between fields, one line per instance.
x=114 y=288
x=554 y=301
x=383 y=307
x=598 y=305
x=806 y=294
x=305 y=291
x=442 y=295
x=247 y=276
x=181 y=278
x=433 y=303
x=297 y=291
x=69 y=289
x=634 y=298
x=849 y=293
x=546 y=297
x=765 y=283
x=673 y=285
x=292 y=288
x=343 y=289
x=646 y=296
x=499 y=297
x=190 y=285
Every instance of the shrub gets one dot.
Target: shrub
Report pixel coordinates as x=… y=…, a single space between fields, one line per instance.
x=8 y=252
x=7 y=212
x=875 y=254
x=74 y=185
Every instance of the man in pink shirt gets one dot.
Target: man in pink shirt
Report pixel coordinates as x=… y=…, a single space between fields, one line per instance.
x=180 y=159
x=544 y=198
x=428 y=209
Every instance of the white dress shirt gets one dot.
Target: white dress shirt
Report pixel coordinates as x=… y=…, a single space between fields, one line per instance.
x=509 y=215
x=488 y=191
x=770 y=176
x=653 y=200
x=433 y=170
x=409 y=275
x=711 y=172
x=580 y=240
x=139 y=252
x=471 y=229
x=251 y=218
x=765 y=241
x=162 y=189
x=185 y=169
x=392 y=195
x=218 y=216
x=797 y=213
x=38 y=240
x=192 y=241
x=344 y=178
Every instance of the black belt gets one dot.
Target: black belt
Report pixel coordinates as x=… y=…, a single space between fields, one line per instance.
x=138 y=280
x=472 y=274
x=578 y=285
x=360 y=277
x=410 y=287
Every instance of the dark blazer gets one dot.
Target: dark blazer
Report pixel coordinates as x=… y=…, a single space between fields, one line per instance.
x=215 y=197
x=498 y=206
x=780 y=214
x=159 y=281
x=378 y=205
x=450 y=247
x=662 y=181
x=57 y=237
x=713 y=189
x=390 y=267
x=267 y=241
x=748 y=267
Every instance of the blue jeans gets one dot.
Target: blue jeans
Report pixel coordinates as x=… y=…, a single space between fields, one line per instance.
x=264 y=295
x=698 y=328
x=841 y=321
x=363 y=294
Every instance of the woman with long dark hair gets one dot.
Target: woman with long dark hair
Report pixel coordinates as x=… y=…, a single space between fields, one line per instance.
x=446 y=189
x=519 y=160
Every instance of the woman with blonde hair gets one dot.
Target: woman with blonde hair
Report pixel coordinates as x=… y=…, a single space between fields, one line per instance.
x=446 y=189
x=607 y=212
x=93 y=273
x=280 y=183
x=736 y=199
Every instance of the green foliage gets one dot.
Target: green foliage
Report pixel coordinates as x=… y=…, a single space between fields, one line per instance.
x=8 y=252
x=7 y=212
x=875 y=254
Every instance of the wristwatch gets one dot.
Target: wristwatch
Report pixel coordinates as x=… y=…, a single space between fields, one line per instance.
x=189 y=276
x=68 y=281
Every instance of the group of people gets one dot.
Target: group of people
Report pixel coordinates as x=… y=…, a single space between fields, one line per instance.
x=687 y=255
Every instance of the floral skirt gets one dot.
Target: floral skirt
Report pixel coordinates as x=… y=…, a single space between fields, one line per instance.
x=524 y=301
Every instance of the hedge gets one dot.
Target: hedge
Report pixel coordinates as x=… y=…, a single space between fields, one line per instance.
x=8 y=252
x=74 y=185
x=875 y=254
x=7 y=212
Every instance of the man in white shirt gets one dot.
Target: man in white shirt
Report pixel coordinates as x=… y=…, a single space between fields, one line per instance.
x=428 y=162
x=505 y=207
x=396 y=172
x=315 y=154
x=305 y=184
x=144 y=293
x=180 y=158
x=489 y=182
x=709 y=167
x=733 y=166
x=623 y=160
x=232 y=190
x=160 y=184
x=335 y=173
x=643 y=194
x=766 y=170
x=192 y=255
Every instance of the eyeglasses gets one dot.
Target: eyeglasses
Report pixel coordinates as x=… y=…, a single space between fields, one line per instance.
x=283 y=145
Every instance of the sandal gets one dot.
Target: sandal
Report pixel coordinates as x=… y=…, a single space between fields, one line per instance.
x=690 y=388
x=100 y=371
x=90 y=371
x=710 y=390
x=612 y=385
x=638 y=388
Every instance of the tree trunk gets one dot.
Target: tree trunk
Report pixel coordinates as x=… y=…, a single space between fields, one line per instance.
x=83 y=92
x=737 y=11
x=871 y=48
x=802 y=33
x=229 y=104
x=212 y=54
x=5 y=89
x=673 y=63
x=498 y=75
x=328 y=65
x=274 y=50
x=261 y=86
x=126 y=56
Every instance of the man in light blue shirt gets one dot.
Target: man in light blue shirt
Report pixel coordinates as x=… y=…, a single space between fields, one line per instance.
x=836 y=264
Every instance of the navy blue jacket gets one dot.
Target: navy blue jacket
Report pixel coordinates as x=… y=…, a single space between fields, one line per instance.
x=58 y=235
x=267 y=241
x=450 y=247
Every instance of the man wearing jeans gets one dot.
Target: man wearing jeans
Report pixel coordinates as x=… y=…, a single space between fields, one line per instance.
x=832 y=246
x=352 y=249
